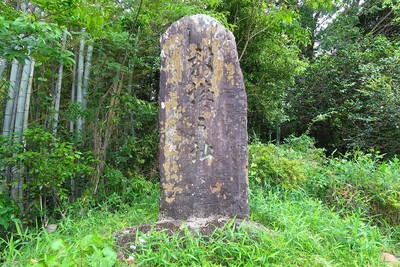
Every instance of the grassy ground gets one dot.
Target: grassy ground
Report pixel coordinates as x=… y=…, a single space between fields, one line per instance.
x=304 y=232
x=319 y=211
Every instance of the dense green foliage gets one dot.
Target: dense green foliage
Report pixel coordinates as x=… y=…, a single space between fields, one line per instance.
x=87 y=148
x=358 y=183
x=348 y=96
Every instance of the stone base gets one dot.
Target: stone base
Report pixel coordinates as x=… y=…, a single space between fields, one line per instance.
x=126 y=239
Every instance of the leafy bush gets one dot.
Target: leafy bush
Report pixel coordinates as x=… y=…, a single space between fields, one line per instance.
x=354 y=183
x=8 y=214
x=47 y=167
x=286 y=165
x=119 y=190
x=137 y=152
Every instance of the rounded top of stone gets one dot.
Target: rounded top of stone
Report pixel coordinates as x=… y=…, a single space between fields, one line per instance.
x=199 y=19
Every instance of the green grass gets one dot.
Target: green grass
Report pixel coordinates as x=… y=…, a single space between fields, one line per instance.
x=82 y=239
x=319 y=211
x=313 y=235
x=303 y=232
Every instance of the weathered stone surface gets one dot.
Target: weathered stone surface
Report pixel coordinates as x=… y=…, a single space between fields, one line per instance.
x=203 y=122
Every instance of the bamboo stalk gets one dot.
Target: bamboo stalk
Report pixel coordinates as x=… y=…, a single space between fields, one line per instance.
x=79 y=94
x=28 y=95
x=22 y=96
x=86 y=74
x=12 y=94
x=3 y=65
x=18 y=81
x=73 y=88
x=57 y=94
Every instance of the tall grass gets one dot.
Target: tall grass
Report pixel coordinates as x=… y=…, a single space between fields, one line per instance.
x=302 y=232
x=318 y=211
x=314 y=235
x=84 y=238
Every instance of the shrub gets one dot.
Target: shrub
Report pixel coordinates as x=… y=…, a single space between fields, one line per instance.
x=119 y=189
x=286 y=165
x=362 y=183
x=46 y=167
x=8 y=214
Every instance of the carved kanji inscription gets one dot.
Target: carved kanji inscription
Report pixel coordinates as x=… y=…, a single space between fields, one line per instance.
x=203 y=122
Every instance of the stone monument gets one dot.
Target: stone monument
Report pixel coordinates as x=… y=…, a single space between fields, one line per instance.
x=203 y=122
x=203 y=133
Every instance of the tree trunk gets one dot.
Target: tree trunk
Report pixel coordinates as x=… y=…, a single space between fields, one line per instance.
x=9 y=114
x=22 y=96
x=3 y=65
x=57 y=93
x=17 y=192
x=12 y=94
x=131 y=130
x=17 y=84
x=101 y=143
x=79 y=94
x=278 y=134
x=28 y=95
x=71 y=122
x=73 y=88
x=86 y=74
